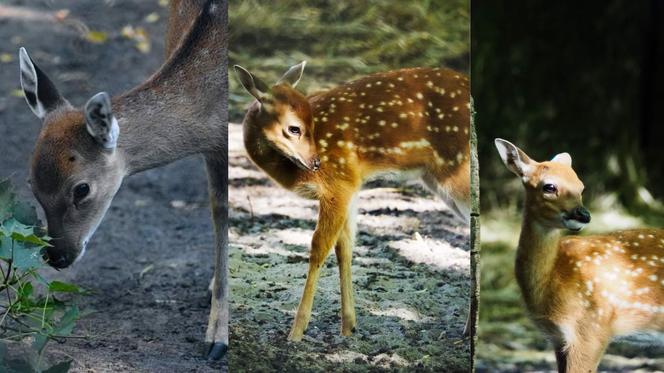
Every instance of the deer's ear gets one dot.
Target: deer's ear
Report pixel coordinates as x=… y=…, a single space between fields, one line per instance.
x=40 y=93
x=251 y=84
x=514 y=158
x=563 y=158
x=293 y=75
x=100 y=122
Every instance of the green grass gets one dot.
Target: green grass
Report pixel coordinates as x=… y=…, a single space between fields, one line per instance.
x=342 y=40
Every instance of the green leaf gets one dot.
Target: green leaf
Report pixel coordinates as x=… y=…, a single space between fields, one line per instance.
x=5 y=247
x=67 y=322
x=27 y=257
x=31 y=239
x=11 y=226
x=62 y=367
x=39 y=342
x=64 y=287
x=26 y=213
x=25 y=290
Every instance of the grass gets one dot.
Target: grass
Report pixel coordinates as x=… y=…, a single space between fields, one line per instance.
x=342 y=40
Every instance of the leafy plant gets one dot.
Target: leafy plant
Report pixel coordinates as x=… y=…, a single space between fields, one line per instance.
x=30 y=306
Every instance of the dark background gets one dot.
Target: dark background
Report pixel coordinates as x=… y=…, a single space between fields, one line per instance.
x=582 y=77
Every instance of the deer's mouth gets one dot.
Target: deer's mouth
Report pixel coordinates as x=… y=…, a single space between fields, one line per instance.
x=573 y=225
x=312 y=165
x=576 y=219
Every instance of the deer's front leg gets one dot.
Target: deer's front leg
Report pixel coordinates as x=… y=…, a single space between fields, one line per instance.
x=583 y=353
x=344 y=253
x=331 y=219
x=217 y=331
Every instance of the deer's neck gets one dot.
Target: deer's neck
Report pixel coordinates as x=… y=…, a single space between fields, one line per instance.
x=270 y=160
x=181 y=109
x=535 y=259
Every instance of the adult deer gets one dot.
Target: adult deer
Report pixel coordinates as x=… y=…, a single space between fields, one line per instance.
x=581 y=291
x=413 y=122
x=83 y=154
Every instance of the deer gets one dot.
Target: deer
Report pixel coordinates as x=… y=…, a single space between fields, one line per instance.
x=82 y=155
x=410 y=123
x=581 y=290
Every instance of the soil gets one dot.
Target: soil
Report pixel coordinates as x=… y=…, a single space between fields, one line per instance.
x=150 y=261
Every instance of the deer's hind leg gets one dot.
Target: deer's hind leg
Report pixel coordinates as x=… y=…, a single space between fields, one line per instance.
x=331 y=219
x=217 y=331
x=453 y=188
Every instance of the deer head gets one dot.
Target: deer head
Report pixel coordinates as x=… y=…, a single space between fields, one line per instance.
x=283 y=116
x=553 y=190
x=75 y=170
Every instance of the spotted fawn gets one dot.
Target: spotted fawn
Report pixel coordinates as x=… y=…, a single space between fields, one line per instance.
x=413 y=122
x=581 y=290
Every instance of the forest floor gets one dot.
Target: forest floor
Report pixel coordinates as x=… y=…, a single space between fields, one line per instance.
x=508 y=340
x=150 y=261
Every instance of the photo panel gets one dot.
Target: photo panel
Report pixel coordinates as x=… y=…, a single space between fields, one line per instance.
x=349 y=186
x=568 y=100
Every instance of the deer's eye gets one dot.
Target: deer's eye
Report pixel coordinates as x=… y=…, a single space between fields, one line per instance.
x=294 y=130
x=549 y=188
x=81 y=191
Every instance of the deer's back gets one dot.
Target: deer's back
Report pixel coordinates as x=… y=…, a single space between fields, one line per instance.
x=409 y=119
x=615 y=279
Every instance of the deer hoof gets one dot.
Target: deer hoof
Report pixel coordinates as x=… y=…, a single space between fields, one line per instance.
x=295 y=337
x=216 y=350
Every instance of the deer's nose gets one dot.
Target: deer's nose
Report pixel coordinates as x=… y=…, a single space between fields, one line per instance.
x=581 y=214
x=315 y=163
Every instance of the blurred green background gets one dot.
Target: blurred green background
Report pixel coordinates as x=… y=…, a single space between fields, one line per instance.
x=341 y=40
x=582 y=77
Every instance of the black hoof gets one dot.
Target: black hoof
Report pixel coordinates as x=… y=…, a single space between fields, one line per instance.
x=216 y=350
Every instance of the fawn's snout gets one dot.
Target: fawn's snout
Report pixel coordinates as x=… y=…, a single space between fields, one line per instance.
x=576 y=219
x=315 y=163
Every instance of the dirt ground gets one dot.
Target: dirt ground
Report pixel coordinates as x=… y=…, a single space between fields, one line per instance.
x=150 y=261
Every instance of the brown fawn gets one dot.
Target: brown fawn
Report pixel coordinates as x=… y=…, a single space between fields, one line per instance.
x=82 y=155
x=411 y=121
x=581 y=290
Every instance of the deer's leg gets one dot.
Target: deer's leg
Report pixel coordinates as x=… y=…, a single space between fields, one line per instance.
x=561 y=357
x=331 y=219
x=583 y=354
x=344 y=253
x=217 y=330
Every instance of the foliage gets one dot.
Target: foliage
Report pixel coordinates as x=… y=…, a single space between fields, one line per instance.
x=341 y=40
x=568 y=77
x=29 y=304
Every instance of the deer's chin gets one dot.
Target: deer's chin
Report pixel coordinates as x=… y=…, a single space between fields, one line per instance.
x=573 y=225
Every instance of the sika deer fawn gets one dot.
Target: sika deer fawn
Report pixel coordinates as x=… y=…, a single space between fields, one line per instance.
x=581 y=290
x=82 y=155
x=411 y=121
